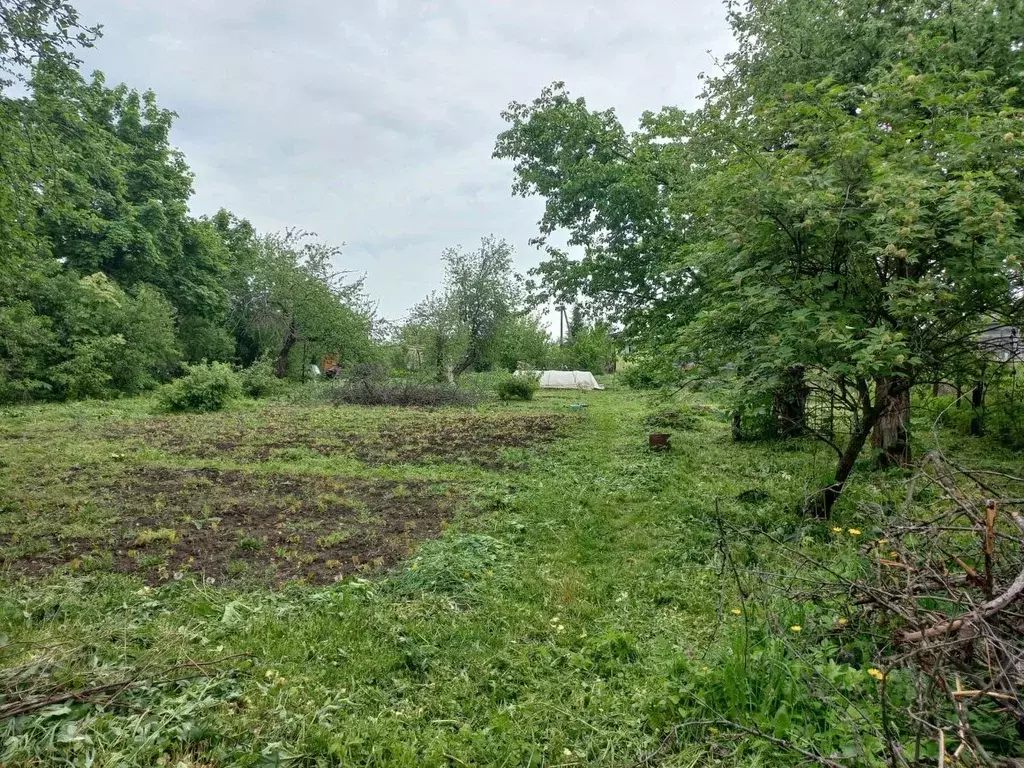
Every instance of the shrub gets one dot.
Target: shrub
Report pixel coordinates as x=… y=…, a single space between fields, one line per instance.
x=1002 y=416
x=518 y=387
x=204 y=387
x=367 y=392
x=258 y=380
x=646 y=373
x=1005 y=422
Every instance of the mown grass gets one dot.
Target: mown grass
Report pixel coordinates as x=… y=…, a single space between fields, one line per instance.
x=546 y=625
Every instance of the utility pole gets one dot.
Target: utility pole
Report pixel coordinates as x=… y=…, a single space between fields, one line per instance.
x=561 y=323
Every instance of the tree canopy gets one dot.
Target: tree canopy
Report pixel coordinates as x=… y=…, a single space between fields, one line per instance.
x=107 y=282
x=844 y=208
x=461 y=327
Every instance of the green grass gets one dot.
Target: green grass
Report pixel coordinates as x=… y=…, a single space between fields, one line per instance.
x=546 y=621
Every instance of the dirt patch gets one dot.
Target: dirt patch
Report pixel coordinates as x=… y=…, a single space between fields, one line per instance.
x=234 y=525
x=475 y=439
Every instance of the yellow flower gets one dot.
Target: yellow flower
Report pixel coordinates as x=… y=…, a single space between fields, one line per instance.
x=736 y=611
x=796 y=628
x=854 y=531
x=837 y=529
x=882 y=541
x=841 y=622
x=876 y=673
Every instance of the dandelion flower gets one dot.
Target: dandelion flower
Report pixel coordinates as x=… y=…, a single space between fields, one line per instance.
x=876 y=673
x=736 y=611
x=882 y=541
x=837 y=529
x=854 y=531
x=841 y=622
x=796 y=628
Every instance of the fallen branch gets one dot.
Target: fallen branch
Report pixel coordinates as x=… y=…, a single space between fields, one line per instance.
x=981 y=612
x=27 y=706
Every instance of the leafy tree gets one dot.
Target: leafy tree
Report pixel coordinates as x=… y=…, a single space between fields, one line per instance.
x=110 y=341
x=522 y=338
x=842 y=213
x=295 y=296
x=867 y=231
x=115 y=197
x=611 y=191
x=591 y=348
x=460 y=326
x=105 y=279
x=434 y=331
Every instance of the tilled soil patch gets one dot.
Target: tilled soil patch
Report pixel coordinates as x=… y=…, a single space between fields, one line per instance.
x=475 y=439
x=229 y=525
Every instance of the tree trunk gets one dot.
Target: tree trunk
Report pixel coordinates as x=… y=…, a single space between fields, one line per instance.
x=977 y=409
x=821 y=505
x=737 y=425
x=442 y=370
x=464 y=364
x=891 y=435
x=789 y=403
x=290 y=338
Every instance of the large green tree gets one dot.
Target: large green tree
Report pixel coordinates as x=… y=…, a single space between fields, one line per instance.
x=460 y=327
x=845 y=205
x=611 y=192
x=296 y=297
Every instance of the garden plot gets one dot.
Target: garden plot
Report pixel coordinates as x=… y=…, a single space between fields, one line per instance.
x=487 y=441
x=164 y=523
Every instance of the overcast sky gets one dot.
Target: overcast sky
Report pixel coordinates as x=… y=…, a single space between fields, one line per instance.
x=371 y=122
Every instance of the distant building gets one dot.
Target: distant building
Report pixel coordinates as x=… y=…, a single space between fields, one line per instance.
x=1004 y=342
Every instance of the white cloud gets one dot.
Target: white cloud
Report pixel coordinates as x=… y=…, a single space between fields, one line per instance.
x=373 y=123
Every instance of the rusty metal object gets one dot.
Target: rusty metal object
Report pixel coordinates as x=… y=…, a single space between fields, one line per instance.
x=658 y=441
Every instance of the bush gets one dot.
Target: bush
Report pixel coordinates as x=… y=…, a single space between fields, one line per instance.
x=367 y=392
x=258 y=380
x=1005 y=422
x=204 y=387
x=1002 y=416
x=646 y=373
x=518 y=387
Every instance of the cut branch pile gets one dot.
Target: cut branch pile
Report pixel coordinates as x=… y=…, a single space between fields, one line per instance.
x=950 y=582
